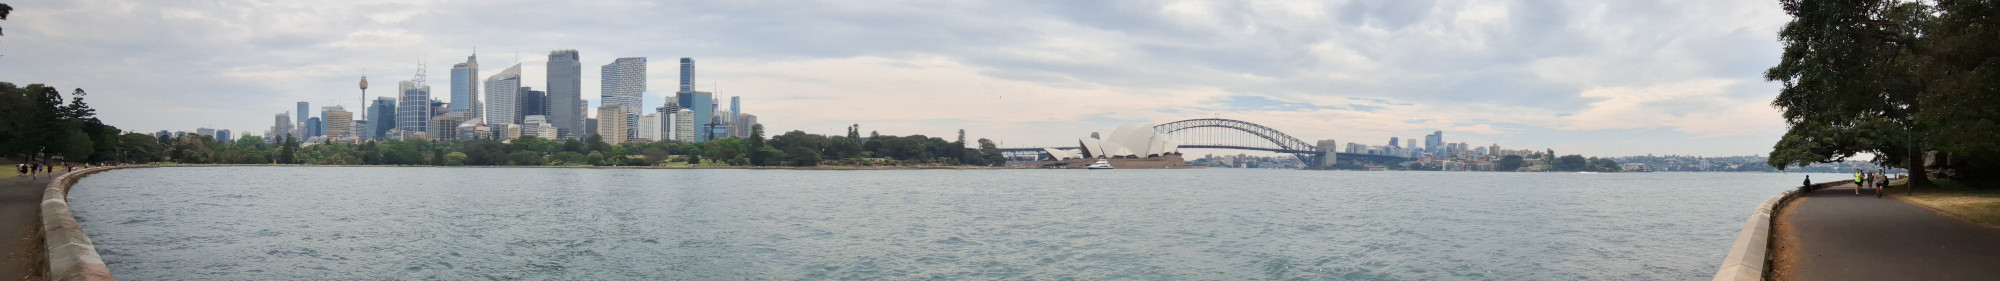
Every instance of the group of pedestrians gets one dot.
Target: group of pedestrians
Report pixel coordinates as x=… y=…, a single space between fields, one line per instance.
x=35 y=170
x=1877 y=181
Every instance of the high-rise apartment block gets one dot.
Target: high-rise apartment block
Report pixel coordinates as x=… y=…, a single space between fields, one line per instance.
x=684 y=125
x=565 y=86
x=611 y=129
x=465 y=89
x=503 y=95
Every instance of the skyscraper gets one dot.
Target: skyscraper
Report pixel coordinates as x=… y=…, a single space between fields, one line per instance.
x=302 y=114
x=223 y=136
x=687 y=75
x=385 y=117
x=413 y=112
x=1393 y=142
x=624 y=85
x=465 y=88
x=703 y=105
x=566 y=104
x=339 y=122
x=503 y=96
x=314 y=127
x=745 y=122
x=736 y=117
x=533 y=103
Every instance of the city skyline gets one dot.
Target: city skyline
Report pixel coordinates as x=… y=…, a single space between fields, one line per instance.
x=1628 y=78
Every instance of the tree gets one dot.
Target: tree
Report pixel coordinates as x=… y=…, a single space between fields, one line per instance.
x=991 y=152
x=1509 y=163
x=1571 y=163
x=759 y=154
x=1890 y=78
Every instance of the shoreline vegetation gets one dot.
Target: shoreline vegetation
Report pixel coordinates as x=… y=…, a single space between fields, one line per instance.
x=795 y=149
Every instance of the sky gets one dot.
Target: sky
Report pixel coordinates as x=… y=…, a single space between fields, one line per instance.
x=1599 y=78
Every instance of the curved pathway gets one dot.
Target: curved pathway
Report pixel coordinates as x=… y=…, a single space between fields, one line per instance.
x=1830 y=234
x=20 y=216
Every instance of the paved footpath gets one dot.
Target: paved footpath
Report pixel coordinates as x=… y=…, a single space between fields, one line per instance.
x=1840 y=236
x=20 y=216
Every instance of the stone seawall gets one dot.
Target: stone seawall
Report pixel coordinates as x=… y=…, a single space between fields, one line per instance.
x=1750 y=257
x=70 y=254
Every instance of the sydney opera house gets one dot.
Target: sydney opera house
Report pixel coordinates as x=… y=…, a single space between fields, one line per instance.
x=1133 y=146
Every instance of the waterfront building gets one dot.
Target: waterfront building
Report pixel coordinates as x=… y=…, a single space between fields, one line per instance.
x=465 y=89
x=413 y=111
x=565 y=86
x=745 y=122
x=624 y=85
x=339 y=122
x=703 y=106
x=684 y=128
x=532 y=103
x=610 y=125
x=687 y=75
x=648 y=130
x=384 y=119
x=503 y=94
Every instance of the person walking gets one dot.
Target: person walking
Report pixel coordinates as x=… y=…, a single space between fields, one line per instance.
x=21 y=169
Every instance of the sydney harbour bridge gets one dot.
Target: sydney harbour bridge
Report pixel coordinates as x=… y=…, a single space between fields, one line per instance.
x=1217 y=133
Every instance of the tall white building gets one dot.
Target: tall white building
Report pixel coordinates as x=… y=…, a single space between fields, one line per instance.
x=503 y=95
x=624 y=85
x=649 y=128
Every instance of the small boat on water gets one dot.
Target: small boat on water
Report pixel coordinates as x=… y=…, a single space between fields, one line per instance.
x=1100 y=165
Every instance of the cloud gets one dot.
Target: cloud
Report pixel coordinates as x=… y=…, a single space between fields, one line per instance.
x=1032 y=72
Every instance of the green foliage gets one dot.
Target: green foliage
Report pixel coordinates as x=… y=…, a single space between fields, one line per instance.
x=1509 y=163
x=1891 y=78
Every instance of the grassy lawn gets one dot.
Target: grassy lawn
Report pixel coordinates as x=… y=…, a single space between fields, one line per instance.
x=1981 y=206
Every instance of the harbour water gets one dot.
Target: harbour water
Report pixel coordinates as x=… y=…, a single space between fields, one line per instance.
x=403 y=223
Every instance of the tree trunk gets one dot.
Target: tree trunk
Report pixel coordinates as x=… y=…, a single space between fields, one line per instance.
x=1918 y=176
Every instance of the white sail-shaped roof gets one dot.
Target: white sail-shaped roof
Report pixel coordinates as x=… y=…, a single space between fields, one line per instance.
x=1091 y=148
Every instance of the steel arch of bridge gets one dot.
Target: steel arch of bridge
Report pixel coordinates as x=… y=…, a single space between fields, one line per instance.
x=1235 y=134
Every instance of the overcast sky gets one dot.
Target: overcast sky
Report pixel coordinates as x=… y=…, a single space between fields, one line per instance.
x=1602 y=78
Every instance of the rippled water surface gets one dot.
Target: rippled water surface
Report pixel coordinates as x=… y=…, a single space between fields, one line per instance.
x=289 y=223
